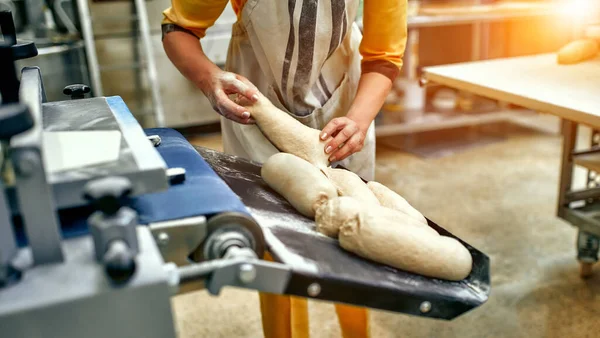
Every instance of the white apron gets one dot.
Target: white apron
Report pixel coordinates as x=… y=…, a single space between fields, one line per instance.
x=303 y=56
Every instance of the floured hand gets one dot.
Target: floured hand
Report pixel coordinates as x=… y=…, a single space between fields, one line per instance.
x=218 y=91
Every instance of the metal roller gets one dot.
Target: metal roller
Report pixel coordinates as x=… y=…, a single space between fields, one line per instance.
x=227 y=230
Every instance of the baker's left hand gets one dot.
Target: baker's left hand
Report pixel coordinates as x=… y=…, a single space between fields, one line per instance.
x=348 y=138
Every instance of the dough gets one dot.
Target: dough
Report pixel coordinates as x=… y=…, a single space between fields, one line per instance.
x=331 y=215
x=388 y=198
x=412 y=249
x=288 y=134
x=303 y=185
x=350 y=184
x=577 y=51
x=343 y=210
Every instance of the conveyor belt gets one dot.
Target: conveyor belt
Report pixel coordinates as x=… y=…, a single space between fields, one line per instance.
x=342 y=276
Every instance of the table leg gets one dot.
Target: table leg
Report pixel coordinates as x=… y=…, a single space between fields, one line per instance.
x=569 y=132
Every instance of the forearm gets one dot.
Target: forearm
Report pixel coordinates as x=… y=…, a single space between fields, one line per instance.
x=373 y=89
x=186 y=54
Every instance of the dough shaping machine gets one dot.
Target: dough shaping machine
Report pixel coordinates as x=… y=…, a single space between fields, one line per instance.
x=98 y=250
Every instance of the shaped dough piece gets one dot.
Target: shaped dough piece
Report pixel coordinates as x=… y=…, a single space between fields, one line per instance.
x=412 y=249
x=350 y=184
x=390 y=199
x=298 y=181
x=337 y=211
x=288 y=134
x=577 y=51
x=344 y=210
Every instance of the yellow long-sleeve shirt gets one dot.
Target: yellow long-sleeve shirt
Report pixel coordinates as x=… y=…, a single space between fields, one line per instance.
x=384 y=28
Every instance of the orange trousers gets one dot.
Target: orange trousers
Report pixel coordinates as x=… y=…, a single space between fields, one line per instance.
x=287 y=317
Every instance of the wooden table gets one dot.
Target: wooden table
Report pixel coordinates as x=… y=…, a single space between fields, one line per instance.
x=571 y=93
x=536 y=82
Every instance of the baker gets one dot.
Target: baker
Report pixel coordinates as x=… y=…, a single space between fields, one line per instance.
x=311 y=60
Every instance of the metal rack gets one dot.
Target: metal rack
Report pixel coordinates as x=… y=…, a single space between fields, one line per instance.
x=149 y=64
x=581 y=207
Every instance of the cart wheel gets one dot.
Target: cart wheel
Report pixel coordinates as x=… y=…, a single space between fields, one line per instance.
x=588 y=246
x=585 y=269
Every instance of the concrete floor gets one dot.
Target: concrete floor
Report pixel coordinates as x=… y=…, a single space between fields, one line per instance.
x=500 y=198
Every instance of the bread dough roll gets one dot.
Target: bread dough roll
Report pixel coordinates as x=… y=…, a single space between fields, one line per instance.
x=342 y=210
x=390 y=199
x=577 y=51
x=288 y=134
x=337 y=211
x=412 y=249
x=350 y=184
x=303 y=185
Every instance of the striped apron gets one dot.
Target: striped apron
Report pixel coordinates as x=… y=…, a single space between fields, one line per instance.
x=303 y=56
x=311 y=71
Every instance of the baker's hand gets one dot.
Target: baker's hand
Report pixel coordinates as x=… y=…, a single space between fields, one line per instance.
x=348 y=138
x=220 y=85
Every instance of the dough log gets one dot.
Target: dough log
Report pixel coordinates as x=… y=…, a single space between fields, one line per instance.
x=390 y=199
x=288 y=134
x=577 y=51
x=303 y=185
x=350 y=184
x=337 y=212
x=411 y=249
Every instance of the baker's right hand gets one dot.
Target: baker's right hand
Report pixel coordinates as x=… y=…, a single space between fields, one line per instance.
x=220 y=85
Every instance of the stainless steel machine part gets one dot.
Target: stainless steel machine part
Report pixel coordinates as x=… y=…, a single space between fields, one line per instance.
x=178 y=239
x=138 y=159
x=34 y=194
x=149 y=53
x=111 y=222
x=238 y=268
x=74 y=299
x=176 y=175
x=224 y=223
x=90 y=46
x=62 y=64
x=107 y=228
x=35 y=17
x=8 y=247
x=155 y=139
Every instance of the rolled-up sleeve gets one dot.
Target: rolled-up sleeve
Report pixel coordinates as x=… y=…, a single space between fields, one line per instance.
x=194 y=15
x=384 y=36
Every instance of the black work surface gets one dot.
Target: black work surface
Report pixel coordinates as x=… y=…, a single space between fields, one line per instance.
x=342 y=276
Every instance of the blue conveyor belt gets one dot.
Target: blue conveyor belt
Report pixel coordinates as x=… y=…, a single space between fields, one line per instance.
x=202 y=193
